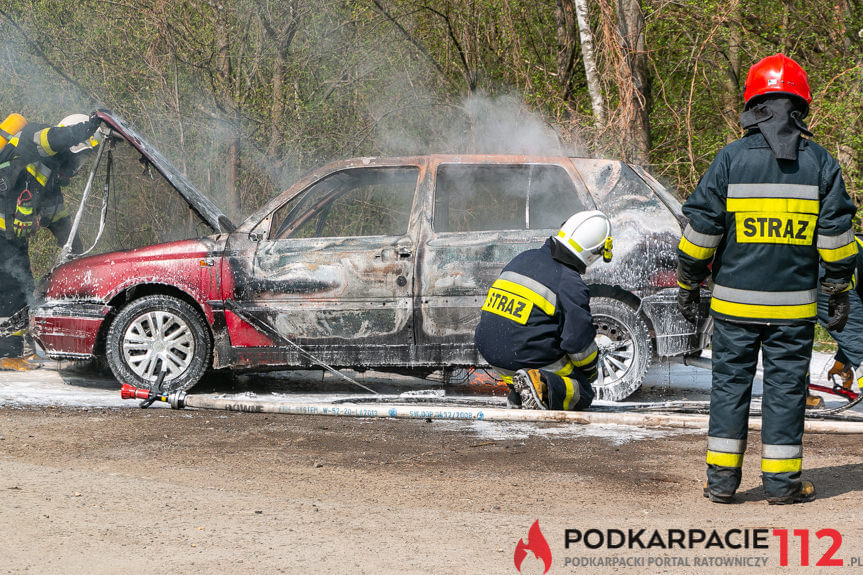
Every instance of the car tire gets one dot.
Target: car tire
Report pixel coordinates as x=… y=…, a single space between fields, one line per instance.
x=161 y=326
x=625 y=350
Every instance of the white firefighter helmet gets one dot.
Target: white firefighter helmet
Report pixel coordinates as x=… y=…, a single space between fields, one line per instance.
x=587 y=235
x=90 y=143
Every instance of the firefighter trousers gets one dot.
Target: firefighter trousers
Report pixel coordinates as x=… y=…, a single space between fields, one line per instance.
x=786 y=351
x=16 y=285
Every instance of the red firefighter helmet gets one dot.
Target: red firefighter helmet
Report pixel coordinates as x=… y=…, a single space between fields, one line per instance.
x=777 y=74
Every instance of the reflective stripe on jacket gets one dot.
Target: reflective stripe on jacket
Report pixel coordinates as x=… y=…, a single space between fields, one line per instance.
x=764 y=225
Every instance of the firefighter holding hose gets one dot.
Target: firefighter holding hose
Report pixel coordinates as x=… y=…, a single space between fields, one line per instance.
x=35 y=163
x=770 y=206
x=536 y=329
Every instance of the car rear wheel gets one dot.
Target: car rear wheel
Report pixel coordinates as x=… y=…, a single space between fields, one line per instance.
x=624 y=347
x=158 y=333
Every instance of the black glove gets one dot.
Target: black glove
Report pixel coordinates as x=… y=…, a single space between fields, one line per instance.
x=84 y=130
x=838 y=308
x=689 y=300
x=93 y=124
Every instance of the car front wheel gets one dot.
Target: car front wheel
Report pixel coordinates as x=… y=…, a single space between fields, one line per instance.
x=623 y=341
x=158 y=333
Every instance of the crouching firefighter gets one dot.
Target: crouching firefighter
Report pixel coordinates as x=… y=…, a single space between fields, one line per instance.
x=35 y=163
x=770 y=206
x=536 y=329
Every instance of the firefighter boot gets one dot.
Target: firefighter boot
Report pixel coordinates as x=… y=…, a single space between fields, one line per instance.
x=845 y=374
x=805 y=494
x=717 y=497
x=532 y=389
x=17 y=364
x=814 y=402
x=513 y=399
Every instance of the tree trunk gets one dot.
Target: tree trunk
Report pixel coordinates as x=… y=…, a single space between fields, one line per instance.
x=565 y=47
x=635 y=90
x=732 y=96
x=228 y=106
x=597 y=103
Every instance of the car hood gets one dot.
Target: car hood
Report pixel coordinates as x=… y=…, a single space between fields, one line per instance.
x=200 y=203
x=100 y=276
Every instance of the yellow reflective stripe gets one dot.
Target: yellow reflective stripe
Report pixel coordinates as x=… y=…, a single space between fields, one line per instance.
x=43 y=141
x=507 y=379
x=571 y=241
x=781 y=465
x=802 y=311
x=837 y=254
x=695 y=251
x=526 y=293
x=570 y=392
x=724 y=459
x=585 y=361
x=772 y=205
x=566 y=369
x=40 y=177
x=24 y=210
x=684 y=286
x=2 y=224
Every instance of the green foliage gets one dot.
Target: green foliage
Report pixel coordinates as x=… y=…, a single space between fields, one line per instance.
x=244 y=96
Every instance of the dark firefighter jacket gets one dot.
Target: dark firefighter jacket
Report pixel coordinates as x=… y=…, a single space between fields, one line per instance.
x=764 y=223
x=39 y=160
x=537 y=315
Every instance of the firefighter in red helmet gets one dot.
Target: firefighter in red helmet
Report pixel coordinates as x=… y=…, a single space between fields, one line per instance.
x=770 y=208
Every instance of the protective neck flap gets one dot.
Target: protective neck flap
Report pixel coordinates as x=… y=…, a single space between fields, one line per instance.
x=780 y=121
x=566 y=257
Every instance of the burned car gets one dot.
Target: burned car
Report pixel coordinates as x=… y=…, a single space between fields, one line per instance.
x=369 y=263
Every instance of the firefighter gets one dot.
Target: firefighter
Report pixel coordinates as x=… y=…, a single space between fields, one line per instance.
x=535 y=327
x=770 y=205
x=41 y=160
x=848 y=364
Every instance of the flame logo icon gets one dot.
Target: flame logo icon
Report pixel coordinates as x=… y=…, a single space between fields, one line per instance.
x=535 y=542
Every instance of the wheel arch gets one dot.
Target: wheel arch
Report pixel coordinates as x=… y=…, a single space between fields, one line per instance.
x=138 y=291
x=618 y=293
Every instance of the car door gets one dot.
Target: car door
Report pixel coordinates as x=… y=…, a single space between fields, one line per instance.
x=483 y=214
x=335 y=268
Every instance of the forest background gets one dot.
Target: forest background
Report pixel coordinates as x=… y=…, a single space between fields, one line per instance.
x=245 y=96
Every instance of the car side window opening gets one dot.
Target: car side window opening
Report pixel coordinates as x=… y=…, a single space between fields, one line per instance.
x=471 y=198
x=352 y=202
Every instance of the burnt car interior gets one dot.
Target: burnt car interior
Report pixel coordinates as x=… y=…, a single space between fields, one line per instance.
x=354 y=202
x=472 y=198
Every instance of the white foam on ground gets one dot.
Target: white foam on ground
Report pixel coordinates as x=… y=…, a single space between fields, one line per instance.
x=516 y=430
x=52 y=386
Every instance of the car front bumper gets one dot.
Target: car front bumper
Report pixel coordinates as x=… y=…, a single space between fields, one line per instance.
x=67 y=330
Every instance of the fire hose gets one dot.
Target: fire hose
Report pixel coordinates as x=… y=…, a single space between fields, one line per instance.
x=181 y=400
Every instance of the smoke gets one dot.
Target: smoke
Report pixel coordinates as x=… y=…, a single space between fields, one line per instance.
x=480 y=124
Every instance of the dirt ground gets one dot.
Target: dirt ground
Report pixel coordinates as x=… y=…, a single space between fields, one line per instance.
x=108 y=490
